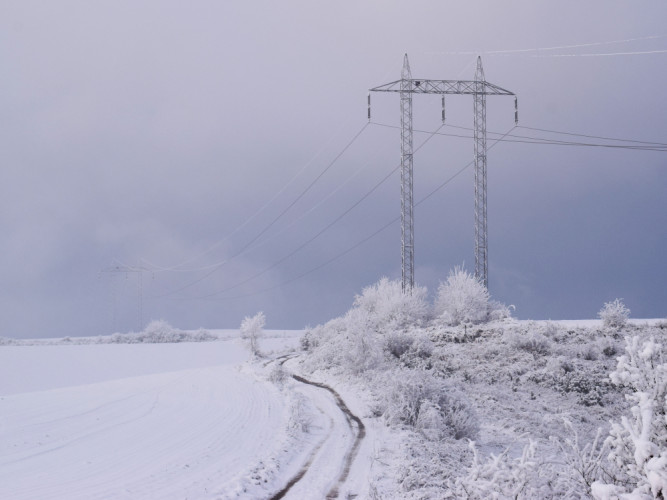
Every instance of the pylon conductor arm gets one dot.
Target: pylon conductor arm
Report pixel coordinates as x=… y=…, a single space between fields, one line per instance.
x=458 y=87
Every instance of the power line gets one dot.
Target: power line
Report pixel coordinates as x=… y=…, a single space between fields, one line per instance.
x=606 y=54
x=273 y=222
x=367 y=238
x=548 y=49
x=178 y=267
x=322 y=231
x=513 y=138
x=522 y=139
x=593 y=136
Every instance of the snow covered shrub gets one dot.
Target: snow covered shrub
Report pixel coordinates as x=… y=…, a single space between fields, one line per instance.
x=588 y=352
x=158 y=331
x=462 y=299
x=582 y=465
x=307 y=341
x=499 y=311
x=533 y=342
x=278 y=375
x=362 y=350
x=614 y=314
x=417 y=398
x=500 y=477
x=251 y=330
x=300 y=418
x=412 y=350
x=638 y=444
x=398 y=343
x=388 y=307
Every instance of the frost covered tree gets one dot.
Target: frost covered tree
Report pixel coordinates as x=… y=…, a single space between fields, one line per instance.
x=462 y=299
x=251 y=330
x=388 y=307
x=638 y=444
x=614 y=314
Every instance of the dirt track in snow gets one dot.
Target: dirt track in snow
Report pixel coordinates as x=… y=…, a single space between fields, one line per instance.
x=357 y=432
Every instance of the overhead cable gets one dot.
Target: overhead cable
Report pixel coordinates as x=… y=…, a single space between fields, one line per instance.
x=362 y=241
x=273 y=221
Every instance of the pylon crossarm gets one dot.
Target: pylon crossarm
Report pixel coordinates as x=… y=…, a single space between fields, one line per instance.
x=458 y=87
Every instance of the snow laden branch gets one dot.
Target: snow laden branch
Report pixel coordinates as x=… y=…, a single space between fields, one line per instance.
x=638 y=443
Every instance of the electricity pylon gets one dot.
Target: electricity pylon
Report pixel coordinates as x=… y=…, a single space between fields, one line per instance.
x=138 y=270
x=479 y=88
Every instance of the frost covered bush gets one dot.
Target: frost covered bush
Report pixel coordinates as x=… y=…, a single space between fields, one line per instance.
x=345 y=344
x=398 y=343
x=251 y=330
x=463 y=298
x=300 y=418
x=362 y=349
x=638 y=444
x=159 y=332
x=388 y=307
x=614 y=314
x=278 y=375
x=417 y=398
x=500 y=476
x=582 y=465
x=533 y=342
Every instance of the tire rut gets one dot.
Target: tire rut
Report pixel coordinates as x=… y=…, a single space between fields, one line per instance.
x=352 y=421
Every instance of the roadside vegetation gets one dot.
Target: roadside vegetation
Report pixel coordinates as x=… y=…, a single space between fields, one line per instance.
x=484 y=406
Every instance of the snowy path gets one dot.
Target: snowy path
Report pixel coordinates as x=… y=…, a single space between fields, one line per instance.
x=326 y=470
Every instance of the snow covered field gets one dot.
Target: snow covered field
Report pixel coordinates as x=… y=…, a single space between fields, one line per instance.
x=165 y=421
x=385 y=410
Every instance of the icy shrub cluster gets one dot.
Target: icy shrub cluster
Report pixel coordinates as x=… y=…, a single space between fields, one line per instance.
x=419 y=399
x=159 y=332
x=381 y=339
x=410 y=349
x=500 y=476
x=533 y=474
x=463 y=298
x=533 y=342
x=278 y=375
x=300 y=418
x=638 y=444
x=387 y=307
x=614 y=314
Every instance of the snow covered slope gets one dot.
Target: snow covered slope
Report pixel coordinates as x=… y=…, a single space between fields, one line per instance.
x=139 y=421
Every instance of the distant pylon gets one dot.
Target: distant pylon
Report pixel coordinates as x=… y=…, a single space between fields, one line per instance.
x=407 y=202
x=481 y=243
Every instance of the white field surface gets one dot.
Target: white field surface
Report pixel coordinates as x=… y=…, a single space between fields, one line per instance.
x=182 y=420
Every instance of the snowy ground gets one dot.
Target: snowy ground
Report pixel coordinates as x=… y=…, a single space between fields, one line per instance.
x=108 y=418
x=89 y=419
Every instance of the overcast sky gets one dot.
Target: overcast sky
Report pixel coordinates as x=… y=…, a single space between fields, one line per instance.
x=169 y=136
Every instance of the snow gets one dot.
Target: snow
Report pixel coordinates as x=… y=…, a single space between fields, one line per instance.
x=185 y=420
x=99 y=420
x=105 y=417
x=167 y=435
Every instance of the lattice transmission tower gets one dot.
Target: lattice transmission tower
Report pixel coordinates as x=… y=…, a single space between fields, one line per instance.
x=138 y=270
x=479 y=88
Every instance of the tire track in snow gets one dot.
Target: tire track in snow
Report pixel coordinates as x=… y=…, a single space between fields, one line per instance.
x=353 y=422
